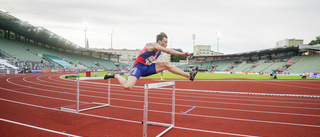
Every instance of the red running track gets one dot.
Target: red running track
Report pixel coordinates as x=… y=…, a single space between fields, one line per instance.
x=29 y=107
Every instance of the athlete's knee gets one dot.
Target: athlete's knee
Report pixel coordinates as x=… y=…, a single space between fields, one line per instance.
x=166 y=64
x=128 y=87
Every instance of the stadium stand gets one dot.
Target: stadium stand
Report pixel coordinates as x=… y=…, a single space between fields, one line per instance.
x=27 y=52
x=206 y=64
x=58 y=60
x=184 y=67
x=222 y=65
x=305 y=64
x=17 y=51
x=33 y=47
x=295 y=59
x=274 y=66
x=242 y=67
x=260 y=67
x=300 y=64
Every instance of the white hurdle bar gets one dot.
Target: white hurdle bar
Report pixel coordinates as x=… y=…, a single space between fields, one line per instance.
x=94 y=103
x=145 y=110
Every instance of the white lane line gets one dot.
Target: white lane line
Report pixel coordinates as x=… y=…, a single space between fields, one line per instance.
x=224 y=95
x=216 y=132
x=200 y=97
x=40 y=128
x=188 y=105
x=287 y=85
x=232 y=92
x=225 y=109
x=184 y=100
x=131 y=121
x=127 y=100
x=219 y=97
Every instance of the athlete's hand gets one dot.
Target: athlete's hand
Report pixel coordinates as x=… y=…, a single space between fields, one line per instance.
x=185 y=54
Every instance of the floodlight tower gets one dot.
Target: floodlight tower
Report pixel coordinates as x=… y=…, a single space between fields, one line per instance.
x=218 y=38
x=194 y=39
x=85 y=35
x=111 y=38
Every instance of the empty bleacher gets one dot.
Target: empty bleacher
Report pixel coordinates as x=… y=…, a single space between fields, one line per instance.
x=184 y=66
x=58 y=60
x=306 y=64
x=17 y=51
x=260 y=67
x=274 y=66
x=30 y=52
x=206 y=64
x=242 y=67
x=223 y=65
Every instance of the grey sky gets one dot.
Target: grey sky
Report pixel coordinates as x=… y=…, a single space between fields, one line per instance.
x=245 y=25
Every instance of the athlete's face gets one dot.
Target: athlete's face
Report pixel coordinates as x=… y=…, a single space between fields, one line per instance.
x=163 y=43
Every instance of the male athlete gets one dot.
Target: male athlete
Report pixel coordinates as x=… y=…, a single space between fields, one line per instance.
x=144 y=66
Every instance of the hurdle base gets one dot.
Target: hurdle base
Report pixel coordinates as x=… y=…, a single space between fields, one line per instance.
x=68 y=109
x=80 y=110
x=159 y=124
x=170 y=126
x=100 y=106
x=165 y=131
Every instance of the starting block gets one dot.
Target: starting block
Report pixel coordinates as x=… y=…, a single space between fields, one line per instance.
x=145 y=121
x=99 y=105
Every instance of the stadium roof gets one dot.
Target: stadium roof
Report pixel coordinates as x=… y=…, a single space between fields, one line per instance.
x=38 y=34
x=261 y=52
x=271 y=50
x=304 y=48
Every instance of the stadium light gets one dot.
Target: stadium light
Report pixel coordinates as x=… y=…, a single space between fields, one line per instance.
x=194 y=39
x=218 y=37
x=85 y=26
x=111 y=38
x=85 y=38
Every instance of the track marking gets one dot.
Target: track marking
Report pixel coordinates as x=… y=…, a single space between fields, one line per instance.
x=211 y=91
x=170 y=89
x=231 y=92
x=282 y=84
x=195 y=115
x=249 y=93
x=131 y=121
x=40 y=128
x=207 y=131
x=188 y=110
x=207 y=107
x=271 y=121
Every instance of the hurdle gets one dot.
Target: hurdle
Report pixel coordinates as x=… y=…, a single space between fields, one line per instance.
x=99 y=105
x=145 y=121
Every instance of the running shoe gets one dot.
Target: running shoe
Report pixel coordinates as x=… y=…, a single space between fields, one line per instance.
x=109 y=75
x=193 y=74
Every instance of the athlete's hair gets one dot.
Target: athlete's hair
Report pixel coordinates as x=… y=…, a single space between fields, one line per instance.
x=161 y=36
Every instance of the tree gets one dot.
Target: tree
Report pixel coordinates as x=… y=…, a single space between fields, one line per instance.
x=316 y=41
x=177 y=58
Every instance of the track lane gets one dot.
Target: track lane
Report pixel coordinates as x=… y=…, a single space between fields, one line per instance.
x=164 y=96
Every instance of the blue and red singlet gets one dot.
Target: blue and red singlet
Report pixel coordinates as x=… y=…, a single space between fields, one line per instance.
x=144 y=66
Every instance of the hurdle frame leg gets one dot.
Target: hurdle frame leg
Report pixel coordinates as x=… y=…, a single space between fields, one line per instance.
x=77 y=110
x=145 y=114
x=145 y=111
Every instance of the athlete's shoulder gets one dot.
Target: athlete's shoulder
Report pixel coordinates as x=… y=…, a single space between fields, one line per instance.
x=151 y=47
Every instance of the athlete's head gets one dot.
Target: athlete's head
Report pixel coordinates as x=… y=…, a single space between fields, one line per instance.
x=162 y=39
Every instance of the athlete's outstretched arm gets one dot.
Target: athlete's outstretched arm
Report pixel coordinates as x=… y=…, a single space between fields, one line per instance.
x=169 y=51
